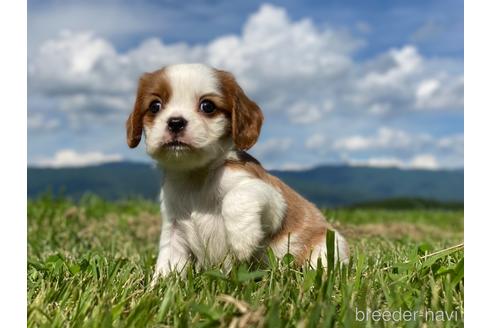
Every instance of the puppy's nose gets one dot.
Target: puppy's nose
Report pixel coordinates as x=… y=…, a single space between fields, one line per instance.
x=176 y=124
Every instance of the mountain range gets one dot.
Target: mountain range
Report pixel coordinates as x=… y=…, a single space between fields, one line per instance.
x=338 y=185
x=334 y=185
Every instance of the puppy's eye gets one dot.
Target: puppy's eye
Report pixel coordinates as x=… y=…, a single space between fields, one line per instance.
x=155 y=106
x=207 y=107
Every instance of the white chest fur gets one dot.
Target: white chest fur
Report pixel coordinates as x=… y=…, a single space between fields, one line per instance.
x=225 y=214
x=198 y=217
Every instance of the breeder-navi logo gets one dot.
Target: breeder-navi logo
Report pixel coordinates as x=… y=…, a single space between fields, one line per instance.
x=406 y=315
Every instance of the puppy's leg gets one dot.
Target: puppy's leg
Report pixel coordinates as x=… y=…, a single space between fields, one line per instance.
x=251 y=210
x=173 y=252
x=342 y=252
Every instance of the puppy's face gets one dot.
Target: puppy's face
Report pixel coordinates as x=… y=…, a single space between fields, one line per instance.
x=191 y=114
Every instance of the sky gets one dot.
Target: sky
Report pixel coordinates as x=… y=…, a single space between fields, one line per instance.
x=376 y=83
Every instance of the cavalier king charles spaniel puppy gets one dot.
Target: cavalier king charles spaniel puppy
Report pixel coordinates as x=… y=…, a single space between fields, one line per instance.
x=218 y=204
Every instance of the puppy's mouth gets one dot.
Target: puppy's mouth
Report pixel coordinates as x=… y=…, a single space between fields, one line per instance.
x=177 y=145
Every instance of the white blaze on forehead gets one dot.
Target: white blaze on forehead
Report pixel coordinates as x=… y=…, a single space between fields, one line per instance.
x=190 y=81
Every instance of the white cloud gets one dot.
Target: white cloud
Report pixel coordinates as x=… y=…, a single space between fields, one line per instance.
x=392 y=147
x=111 y=19
x=440 y=93
x=379 y=108
x=292 y=166
x=451 y=142
x=304 y=113
x=424 y=161
x=74 y=63
x=272 y=147
x=274 y=48
x=276 y=59
x=402 y=80
x=385 y=138
x=382 y=162
x=427 y=88
x=38 y=122
x=354 y=143
x=72 y=158
x=405 y=63
x=101 y=104
x=316 y=141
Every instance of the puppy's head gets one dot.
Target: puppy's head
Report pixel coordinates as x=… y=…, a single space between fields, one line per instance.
x=191 y=114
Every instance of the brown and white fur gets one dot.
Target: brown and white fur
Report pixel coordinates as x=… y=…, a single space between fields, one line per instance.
x=218 y=203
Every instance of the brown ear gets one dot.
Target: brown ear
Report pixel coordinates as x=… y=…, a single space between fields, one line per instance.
x=133 y=130
x=134 y=124
x=246 y=115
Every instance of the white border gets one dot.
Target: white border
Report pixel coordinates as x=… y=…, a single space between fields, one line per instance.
x=13 y=222
x=478 y=107
x=478 y=163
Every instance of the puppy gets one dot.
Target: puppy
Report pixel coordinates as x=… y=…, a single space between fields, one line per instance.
x=218 y=204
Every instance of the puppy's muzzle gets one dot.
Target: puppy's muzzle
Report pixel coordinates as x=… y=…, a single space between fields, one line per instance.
x=176 y=124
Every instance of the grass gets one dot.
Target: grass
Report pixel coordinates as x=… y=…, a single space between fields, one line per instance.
x=90 y=265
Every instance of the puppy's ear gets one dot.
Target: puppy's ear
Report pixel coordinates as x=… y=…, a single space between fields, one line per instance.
x=133 y=129
x=246 y=116
x=134 y=124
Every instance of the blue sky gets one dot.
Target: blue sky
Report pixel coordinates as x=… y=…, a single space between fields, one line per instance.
x=360 y=82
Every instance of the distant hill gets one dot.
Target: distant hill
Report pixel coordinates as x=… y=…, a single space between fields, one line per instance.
x=343 y=185
x=324 y=185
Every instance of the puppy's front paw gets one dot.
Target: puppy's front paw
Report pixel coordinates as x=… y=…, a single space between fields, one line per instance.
x=159 y=273
x=164 y=268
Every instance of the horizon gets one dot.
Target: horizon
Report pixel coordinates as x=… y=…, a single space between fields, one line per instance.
x=320 y=165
